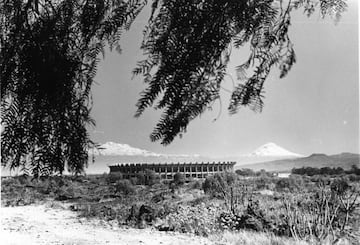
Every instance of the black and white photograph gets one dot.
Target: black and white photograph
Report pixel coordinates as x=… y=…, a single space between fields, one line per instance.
x=180 y=122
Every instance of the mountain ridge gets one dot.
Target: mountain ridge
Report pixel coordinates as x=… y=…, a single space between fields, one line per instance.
x=119 y=149
x=317 y=160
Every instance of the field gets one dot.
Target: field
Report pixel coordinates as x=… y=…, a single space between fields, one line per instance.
x=223 y=209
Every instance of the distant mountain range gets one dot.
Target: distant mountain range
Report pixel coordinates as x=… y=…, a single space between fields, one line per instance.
x=343 y=160
x=115 y=153
x=118 y=149
x=270 y=157
x=111 y=153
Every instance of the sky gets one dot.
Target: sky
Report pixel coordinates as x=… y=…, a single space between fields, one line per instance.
x=314 y=109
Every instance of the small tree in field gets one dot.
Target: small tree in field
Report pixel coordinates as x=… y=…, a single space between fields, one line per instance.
x=227 y=187
x=124 y=187
x=179 y=179
x=151 y=177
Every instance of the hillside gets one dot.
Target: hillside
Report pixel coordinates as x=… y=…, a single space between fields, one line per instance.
x=344 y=160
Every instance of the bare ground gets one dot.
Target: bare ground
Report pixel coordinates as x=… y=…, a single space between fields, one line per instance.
x=44 y=224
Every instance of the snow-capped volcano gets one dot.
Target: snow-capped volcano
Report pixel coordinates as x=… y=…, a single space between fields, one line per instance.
x=117 y=149
x=273 y=150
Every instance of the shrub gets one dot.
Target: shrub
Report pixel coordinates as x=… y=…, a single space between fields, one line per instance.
x=215 y=185
x=263 y=182
x=229 y=221
x=124 y=187
x=354 y=177
x=196 y=185
x=253 y=218
x=146 y=216
x=324 y=214
x=133 y=180
x=112 y=178
x=102 y=211
x=198 y=220
x=151 y=178
x=179 y=179
x=245 y=172
x=67 y=193
x=289 y=184
x=354 y=170
x=210 y=186
x=228 y=187
x=47 y=186
x=140 y=178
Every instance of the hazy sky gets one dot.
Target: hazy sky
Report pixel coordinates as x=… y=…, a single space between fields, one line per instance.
x=314 y=109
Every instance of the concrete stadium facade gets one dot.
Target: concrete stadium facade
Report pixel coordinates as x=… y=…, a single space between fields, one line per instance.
x=168 y=170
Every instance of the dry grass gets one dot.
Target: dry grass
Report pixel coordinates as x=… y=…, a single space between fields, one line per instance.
x=243 y=237
x=253 y=238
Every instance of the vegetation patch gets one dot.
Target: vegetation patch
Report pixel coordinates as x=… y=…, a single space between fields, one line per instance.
x=313 y=210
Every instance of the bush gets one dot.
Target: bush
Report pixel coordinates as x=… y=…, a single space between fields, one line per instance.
x=229 y=221
x=354 y=177
x=23 y=179
x=263 y=183
x=253 y=218
x=112 y=178
x=289 y=184
x=339 y=186
x=140 y=179
x=210 y=186
x=216 y=184
x=148 y=177
x=68 y=192
x=125 y=187
x=146 y=216
x=179 y=179
x=196 y=185
x=324 y=214
x=198 y=220
x=245 y=172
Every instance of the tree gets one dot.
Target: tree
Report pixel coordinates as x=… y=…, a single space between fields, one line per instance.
x=188 y=46
x=49 y=55
x=179 y=179
x=245 y=172
x=48 y=60
x=124 y=187
x=227 y=186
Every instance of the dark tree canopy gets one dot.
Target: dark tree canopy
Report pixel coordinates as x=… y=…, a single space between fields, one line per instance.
x=188 y=45
x=48 y=60
x=50 y=50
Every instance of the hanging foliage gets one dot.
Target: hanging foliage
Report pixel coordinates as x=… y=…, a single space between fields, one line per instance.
x=188 y=45
x=50 y=50
x=49 y=55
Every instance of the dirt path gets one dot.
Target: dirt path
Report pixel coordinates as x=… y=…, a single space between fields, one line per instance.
x=46 y=225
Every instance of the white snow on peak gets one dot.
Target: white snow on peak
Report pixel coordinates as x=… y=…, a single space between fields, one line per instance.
x=117 y=149
x=273 y=150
